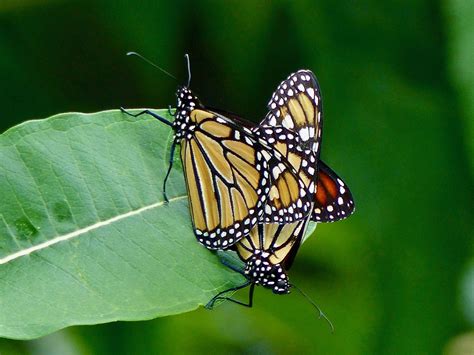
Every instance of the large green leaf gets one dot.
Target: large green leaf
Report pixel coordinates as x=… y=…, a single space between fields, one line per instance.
x=85 y=236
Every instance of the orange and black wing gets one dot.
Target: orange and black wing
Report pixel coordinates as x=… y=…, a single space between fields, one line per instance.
x=293 y=127
x=280 y=241
x=233 y=178
x=333 y=199
x=291 y=192
x=290 y=196
x=227 y=179
x=296 y=106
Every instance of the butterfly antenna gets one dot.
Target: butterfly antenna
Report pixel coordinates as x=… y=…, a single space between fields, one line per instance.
x=321 y=313
x=151 y=63
x=188 y=64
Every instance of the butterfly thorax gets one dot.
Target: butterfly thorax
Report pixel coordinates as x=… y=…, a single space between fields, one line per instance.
x=260 y=270
x=186 y=102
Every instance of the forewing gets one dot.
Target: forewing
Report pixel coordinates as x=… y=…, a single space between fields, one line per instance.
x=293 y=127
x=289 y=199
x=296 y=105
x=227 y=179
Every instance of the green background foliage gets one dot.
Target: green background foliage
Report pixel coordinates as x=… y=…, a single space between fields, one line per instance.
x=397 y=80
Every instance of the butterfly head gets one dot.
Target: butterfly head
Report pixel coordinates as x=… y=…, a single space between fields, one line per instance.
x=186 y=102
x=261 y=271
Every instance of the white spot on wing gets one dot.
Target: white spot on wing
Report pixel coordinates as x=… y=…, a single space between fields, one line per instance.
x=288 y=122
x=304 y=133
x=276 y=172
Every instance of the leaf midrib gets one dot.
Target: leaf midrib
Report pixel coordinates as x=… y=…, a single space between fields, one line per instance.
x=77 y=233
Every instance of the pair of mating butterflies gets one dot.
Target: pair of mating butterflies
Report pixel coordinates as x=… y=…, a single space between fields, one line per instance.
x=254 y=189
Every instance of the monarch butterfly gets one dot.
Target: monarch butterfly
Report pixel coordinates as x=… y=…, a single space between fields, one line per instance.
x=294 y=127
x=269 y=252
x=234 y=178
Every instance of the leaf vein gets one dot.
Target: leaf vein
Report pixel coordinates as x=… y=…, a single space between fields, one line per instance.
x=84 y=230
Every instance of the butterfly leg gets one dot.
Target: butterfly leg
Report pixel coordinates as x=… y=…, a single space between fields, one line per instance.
x=147 y=112
x=232 y=267
x=219 y=297
x=170 y=166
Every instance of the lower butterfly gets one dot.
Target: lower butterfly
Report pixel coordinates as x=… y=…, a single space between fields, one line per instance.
x=268 y=253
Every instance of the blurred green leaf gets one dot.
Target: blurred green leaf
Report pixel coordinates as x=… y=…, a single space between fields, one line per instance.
x=467 y=292
x=459 y=14
x=85 y=236
x=11 y=5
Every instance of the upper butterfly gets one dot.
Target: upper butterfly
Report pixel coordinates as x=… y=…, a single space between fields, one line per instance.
x=234 y=178
x=293 y=126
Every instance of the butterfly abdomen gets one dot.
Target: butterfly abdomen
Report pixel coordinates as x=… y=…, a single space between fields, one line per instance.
x=262 y=272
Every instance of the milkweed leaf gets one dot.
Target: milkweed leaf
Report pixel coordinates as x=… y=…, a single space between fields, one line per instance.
x=85 y=234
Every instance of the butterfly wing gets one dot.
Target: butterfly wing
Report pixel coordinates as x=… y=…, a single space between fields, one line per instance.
x=288 y=200
x=281 y=241
x=333 y=199
x=291 y=191
x=226 y=176
x=296 y=106
x=228 y=179
x=293 y=127
x=298 y=232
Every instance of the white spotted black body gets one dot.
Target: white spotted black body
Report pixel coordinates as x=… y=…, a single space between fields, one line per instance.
x=262 y=272
x=186 y=102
